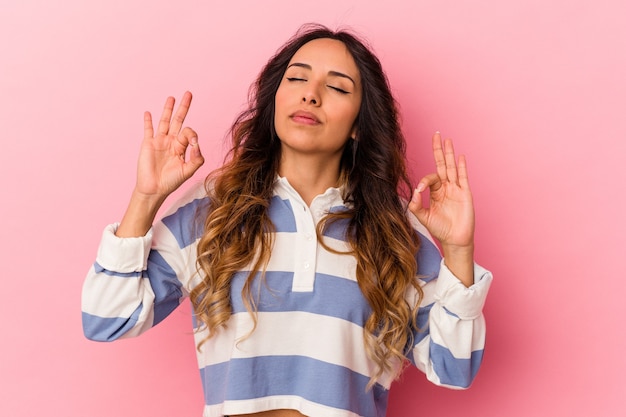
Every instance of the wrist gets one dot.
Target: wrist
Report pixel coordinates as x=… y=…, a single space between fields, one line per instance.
x=458 y=251
x=460 y=261
x=140 y=214
x=150 y=203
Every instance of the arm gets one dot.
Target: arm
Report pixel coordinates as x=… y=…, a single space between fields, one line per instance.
x=449 y=348
x=161 y=168
x=449 y=345
x=134 y=282
x=450 y=217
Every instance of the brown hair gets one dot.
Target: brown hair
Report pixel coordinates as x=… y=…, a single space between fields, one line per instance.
x=237 y=231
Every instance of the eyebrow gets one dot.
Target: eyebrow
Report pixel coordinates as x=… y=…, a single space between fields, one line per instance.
x=333 y=73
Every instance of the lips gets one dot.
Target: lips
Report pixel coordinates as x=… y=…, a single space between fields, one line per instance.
x=305 y=117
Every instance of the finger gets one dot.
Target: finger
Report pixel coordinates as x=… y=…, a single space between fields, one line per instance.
x=181 y=113
x=189 y=137
x=416 y=205
x=432 y=181
x=166 y=116
x=440 y=160
x=450 y=161
x=196 y=160
x=182 y=141
x=148 y=131
x=463 y=177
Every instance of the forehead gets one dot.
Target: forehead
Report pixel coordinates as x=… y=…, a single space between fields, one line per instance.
x=327 y=55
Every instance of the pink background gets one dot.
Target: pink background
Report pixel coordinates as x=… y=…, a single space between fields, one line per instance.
x=534 y=92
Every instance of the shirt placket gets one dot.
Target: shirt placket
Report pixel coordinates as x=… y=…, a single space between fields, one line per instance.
x=305 y=251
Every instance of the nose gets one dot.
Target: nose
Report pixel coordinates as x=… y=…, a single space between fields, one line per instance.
x=309 y=99
x=311 y=95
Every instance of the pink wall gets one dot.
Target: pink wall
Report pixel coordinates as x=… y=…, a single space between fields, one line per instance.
x=534 y=92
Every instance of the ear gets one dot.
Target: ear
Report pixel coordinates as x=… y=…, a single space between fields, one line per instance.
x=353 y=133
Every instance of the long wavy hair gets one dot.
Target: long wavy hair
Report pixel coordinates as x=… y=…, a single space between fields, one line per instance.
x=237 y=231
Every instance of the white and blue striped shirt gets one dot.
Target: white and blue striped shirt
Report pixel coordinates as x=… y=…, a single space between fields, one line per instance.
x=307 y=352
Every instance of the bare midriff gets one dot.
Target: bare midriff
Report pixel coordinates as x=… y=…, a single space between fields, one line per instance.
x=273 y=413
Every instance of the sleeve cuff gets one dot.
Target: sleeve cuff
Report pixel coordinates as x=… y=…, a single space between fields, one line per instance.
x=456 y=298
x=128 y=254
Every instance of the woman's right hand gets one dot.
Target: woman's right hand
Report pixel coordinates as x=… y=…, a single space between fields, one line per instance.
x=162 y=167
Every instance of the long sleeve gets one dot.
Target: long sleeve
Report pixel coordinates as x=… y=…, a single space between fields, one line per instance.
x=450 y=342
x=136 y=282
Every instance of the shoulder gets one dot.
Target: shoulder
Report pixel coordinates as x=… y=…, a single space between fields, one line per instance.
x=184 y=220
x=188 y=212
x=195 y=195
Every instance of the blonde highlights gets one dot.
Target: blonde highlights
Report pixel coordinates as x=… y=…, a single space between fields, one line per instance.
x=238 y=231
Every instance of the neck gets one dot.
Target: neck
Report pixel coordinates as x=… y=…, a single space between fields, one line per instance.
x=310 y=176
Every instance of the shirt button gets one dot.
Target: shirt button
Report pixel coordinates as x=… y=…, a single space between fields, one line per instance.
x=309 y=236
x=306 y=265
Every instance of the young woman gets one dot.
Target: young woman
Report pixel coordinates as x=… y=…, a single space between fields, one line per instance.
x=307 y=256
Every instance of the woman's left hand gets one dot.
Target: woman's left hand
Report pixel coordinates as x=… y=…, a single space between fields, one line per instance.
x=450 y=215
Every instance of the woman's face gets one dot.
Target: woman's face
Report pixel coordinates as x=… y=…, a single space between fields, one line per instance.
x=318 y=100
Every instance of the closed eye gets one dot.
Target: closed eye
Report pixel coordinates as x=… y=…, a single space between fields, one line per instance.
x=340 y=90
x=337 y=89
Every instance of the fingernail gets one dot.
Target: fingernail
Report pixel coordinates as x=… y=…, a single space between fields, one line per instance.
x=420 y=187
x=193 y=141
x=414 y=196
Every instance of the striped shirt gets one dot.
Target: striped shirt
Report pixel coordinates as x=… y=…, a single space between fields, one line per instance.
x=307 y=352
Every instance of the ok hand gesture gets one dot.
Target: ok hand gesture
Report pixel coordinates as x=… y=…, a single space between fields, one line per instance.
x=450 y=216
x=162 y=167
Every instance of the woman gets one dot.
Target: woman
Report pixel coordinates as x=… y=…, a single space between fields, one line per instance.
x=311 y=282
